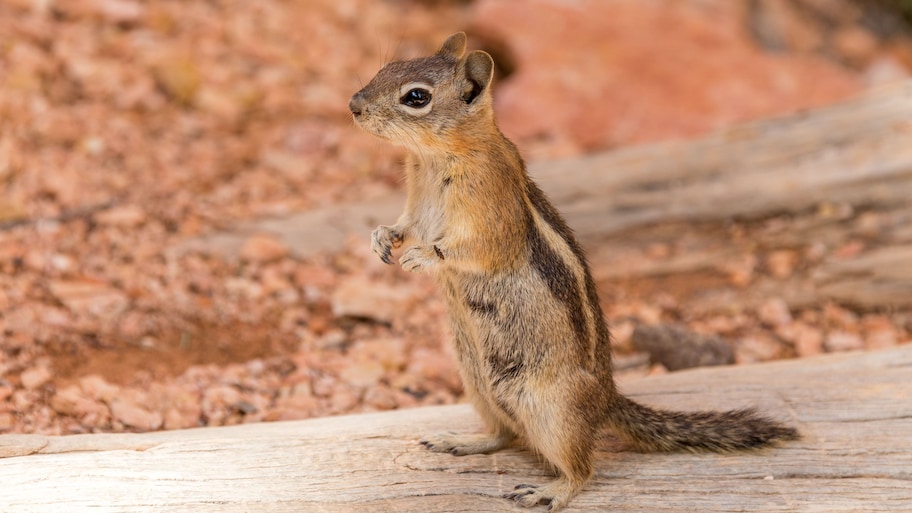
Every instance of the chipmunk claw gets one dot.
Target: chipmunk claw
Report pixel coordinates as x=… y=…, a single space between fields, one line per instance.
x=384 y=240
x=419 y=258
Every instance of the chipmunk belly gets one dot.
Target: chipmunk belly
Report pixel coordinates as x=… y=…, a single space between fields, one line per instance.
x=510 y=332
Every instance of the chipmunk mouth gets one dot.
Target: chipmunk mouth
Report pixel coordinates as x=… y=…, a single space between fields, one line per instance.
x=371 y=127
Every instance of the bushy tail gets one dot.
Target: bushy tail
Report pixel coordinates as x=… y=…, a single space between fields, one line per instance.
x=653 y=430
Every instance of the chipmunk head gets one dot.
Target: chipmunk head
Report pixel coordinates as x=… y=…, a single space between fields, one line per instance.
x=422 y=103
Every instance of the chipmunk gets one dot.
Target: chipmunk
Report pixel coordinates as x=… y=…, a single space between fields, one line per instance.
x=532 y=343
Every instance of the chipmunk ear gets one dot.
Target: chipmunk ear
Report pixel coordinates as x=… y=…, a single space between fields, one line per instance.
x=478 y=69
x=454 y=46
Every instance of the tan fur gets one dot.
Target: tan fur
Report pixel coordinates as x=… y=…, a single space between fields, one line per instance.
x=533 y=347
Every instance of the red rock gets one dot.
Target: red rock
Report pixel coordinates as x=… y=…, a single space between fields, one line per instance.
x=218 y=403
x=124 y=216
x=740 y=270
x=884 y=70
x=648 y=314
x=808 y=340
x=128 y=412
x=774 y=312
x=332 y=339
x=179 y=75
x=72 y=401
x=359 y=297
x=657 y=370
x=850 y=249
x=250 y=290
x=404 y=399
x=839 y=316
x=343 y=400
x=855 y=43
x=304 y=406
x=22 y=323
x=23 y=400
x=380 y=398
x=611 y=81
x=309 y=137
x=879 y=332
x=223 y=104
x=182 y=408
x=880 y=339
x=7 y=421
x=434 y=365
x=182 y=417
x=836 y=341
x=35 y=377
x=723 y=324
x=96 y=387
x=90 y=297
x=781 y=263
x=362 y=374
x=64 y=401
x=621 y=333
x=314 y=280
x=757 y=348
x=390 y=353
x=782 y=24
x=323 y=386
x=301 y=388
x=263 y=248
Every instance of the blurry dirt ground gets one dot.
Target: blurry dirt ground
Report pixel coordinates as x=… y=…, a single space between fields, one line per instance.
x=127 y=127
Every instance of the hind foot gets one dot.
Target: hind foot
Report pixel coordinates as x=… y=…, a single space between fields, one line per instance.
x=555 y=494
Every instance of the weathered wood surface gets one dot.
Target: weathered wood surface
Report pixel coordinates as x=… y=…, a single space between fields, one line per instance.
x=880 y=277
x=854 y=410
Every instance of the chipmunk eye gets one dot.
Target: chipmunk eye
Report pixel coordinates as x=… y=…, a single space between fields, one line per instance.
x=416 y=98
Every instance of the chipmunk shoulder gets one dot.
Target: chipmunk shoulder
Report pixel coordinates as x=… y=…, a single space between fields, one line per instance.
x=532 y=344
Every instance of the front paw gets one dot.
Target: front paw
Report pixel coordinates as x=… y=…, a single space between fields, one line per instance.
x=419 y=258
x=384 y=240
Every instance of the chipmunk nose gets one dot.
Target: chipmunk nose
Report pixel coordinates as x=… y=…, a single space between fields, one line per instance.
x=356 y=104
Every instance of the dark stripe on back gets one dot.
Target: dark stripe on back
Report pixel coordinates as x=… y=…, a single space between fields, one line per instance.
x=557 y=223
x=554 y=219
x=559 y=279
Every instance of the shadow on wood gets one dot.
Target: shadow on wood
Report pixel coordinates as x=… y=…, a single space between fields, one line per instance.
x=853 y=409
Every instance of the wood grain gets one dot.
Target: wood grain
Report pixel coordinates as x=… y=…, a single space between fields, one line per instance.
x=854 y=410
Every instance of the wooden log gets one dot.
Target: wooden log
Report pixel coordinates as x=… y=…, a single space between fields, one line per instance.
x=882 y=277
x=853 y=409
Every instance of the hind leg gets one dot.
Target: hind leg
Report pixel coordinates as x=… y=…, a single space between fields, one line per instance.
x=499 y=436
x=574 y=470
x=563 y=434
x=501 y=430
